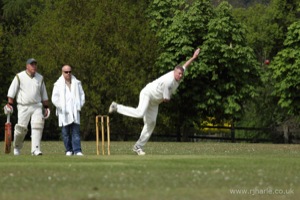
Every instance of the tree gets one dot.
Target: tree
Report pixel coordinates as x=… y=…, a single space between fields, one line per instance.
x=229 y=71
x=283 y=73
x=266 y=26
x=180 y=27
x=266 y=30
x=227 y=74
x=3 y=91
x=4 y=78
x=108 y=43
x=13 y=9
x=285 y=70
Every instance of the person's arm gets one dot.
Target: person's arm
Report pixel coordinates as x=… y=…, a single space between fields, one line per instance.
x=46 y=109
x=8 y=108
x=166 y=94
x=10 y=100
x=187 y=63
x=44 y=95
x=167 y=91
x=45 y=104
x=82 y=95
x=12 y=91
x=56 y=97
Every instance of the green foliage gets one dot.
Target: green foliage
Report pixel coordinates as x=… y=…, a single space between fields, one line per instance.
x=230 y=73
x=107 y=43
x=180 y=26
x=116 y=47
x=2 y=65
x=266 y=25
x=285 y=71
x=227 y=75
x=14 y=8
x=241 y=3
x=5 y=70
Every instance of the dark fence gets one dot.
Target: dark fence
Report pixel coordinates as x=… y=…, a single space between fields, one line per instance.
x=258 y=134
x=216 y=133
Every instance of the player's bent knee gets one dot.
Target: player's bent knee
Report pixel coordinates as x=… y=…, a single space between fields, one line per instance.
x=20 y=129
x=37 y=124
x=151 y=123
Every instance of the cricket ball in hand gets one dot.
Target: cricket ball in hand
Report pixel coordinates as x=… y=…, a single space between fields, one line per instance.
x=267 y=62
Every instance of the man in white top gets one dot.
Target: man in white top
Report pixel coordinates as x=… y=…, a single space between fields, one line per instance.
x=68 y=98
x=156 y=92
x=28 y=88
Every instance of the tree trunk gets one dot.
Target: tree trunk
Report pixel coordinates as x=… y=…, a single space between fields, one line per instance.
x=286 y=134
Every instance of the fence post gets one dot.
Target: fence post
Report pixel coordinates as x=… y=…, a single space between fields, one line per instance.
x=232 y=133
x=286 y=133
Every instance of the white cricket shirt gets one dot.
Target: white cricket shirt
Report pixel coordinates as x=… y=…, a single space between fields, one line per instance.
x=163 y=87
x=28 y=90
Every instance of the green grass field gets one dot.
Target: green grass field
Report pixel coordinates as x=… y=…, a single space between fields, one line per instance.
x=168 y=171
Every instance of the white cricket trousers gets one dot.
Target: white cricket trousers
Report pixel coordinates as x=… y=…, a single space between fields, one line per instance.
x=147 y=110
x=26 y=113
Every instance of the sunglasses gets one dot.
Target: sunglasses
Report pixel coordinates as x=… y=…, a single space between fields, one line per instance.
x=67 y=72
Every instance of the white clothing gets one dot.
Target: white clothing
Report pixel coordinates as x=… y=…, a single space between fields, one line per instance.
x=28 y=90
x=68 y=102
x=150 y=97
x=34 y=114
x=163 y=87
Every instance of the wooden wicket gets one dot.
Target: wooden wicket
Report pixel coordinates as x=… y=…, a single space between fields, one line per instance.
x=103 y=130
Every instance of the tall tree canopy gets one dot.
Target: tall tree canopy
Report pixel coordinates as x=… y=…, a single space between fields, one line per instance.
x=285 y=71
x=266 y=25
x=229 y=66
x=107 y=43
x=116 y=47
x=180 y=27
x=223 y=78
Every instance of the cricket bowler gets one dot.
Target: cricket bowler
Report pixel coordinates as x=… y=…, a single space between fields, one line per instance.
x=153 y=94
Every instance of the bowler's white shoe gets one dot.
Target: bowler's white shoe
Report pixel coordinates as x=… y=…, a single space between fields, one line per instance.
x=113 y=107
x=79 y=154
x=139 y=151
x=69 y=153
x=16 y=151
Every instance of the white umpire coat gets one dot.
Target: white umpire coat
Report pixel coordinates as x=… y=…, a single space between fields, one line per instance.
x=68 y=101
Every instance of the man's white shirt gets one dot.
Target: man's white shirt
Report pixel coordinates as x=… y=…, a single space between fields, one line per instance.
x=28 y=90
x=163 y=87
